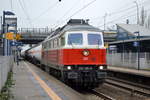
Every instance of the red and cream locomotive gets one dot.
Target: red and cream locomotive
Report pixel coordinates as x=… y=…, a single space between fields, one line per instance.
x=74 y=53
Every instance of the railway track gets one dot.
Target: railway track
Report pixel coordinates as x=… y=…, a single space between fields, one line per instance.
x=94 y=95
x=117 y=89
x=101 y=95
x=132 y=88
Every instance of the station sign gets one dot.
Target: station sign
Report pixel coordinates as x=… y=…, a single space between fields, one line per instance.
x=12 y=36
x=18 y=36
x=15 y=43
x=19 y=44
x=9 y=36
x=137 y=33
x=112 y=47
x=12 y=43
x=135 y=43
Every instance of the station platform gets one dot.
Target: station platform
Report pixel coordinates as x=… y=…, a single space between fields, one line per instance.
x=130 y=71
x=31 y=83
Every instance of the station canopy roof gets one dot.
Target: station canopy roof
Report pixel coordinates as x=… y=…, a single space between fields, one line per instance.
x=132 y=28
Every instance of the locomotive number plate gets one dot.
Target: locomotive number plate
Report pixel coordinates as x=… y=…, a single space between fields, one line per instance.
x=85 y=58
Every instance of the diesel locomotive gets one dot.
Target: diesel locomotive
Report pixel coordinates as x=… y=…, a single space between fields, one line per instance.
x=74 y=53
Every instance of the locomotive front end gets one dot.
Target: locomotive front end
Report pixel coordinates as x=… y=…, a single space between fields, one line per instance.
x=84 y=58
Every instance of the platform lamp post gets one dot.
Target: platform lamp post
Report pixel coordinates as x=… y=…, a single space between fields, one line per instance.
x=137 y=44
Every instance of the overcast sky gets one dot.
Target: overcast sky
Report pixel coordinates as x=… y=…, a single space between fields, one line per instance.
x=52 y=13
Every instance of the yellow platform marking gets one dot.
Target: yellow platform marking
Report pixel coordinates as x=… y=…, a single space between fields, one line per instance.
x=47 y=89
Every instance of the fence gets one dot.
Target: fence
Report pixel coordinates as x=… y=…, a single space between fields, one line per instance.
x=6 y=64
x=129 y=60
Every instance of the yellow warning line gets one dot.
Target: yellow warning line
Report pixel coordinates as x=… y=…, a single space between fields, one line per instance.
x=47 y=89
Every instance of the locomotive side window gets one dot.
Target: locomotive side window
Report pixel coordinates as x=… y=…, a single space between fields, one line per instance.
x=55 y=43
x=49 y=44
x=75 y=39
x=62 y=41
x=43 y=45
x=94 y=39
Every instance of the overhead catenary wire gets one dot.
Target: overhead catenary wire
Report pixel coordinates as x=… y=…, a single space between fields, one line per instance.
x=119 y=18
x=77 y=11
x=129 y=12
x=11 y=5
x=66 y=13
x=117 y=12
x=24 y=4
x=121 y=10
x=126 y=9
x=45 y=11
x=70 y=9
x=110 y=14
x=81 y=9
x=122 y=17
x=25 y=12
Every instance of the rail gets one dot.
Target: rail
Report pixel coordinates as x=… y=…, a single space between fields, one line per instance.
x=102 y=95
x=133 y=88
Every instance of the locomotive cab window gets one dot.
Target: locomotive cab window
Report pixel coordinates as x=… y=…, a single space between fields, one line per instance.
x=94 y=39
x=75 y=39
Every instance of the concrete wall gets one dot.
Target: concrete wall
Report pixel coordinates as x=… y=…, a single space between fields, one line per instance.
x=129 y=60
x=6 y=64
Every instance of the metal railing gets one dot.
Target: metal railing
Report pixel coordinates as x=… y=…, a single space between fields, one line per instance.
x=129 y=60
x=34 y=31
x=30 y=35
x=6 y=64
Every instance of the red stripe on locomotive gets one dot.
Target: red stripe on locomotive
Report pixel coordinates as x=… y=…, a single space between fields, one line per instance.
x=75 y=57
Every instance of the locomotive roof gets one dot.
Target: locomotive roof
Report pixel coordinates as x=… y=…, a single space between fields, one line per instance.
x=80 y=27
x=74 y=26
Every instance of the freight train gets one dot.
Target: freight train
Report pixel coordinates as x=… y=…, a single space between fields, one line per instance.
x=74 y=53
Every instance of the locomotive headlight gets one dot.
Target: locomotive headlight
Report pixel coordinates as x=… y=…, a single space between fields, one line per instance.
x=101 y=67
x=69 y=67
x=86 y=52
